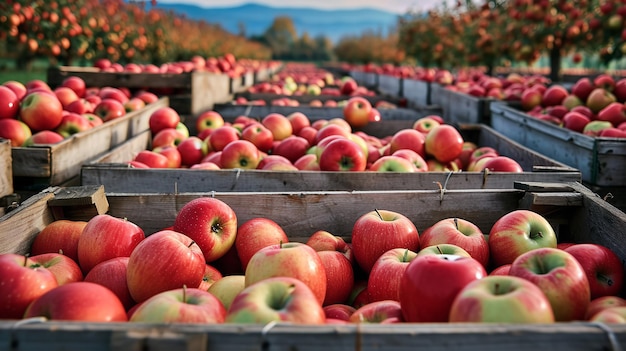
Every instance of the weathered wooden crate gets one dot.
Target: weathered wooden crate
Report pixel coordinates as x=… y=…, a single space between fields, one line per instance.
x=112 y=172
x=305 y=99
x=189 y=92
x=390 y=85
x=464 y=108
x=37 y=167
x=6 y=168
x=367 y=79
x=417 y=92
x=602 y=161
x=438 y=95
x=576 y=214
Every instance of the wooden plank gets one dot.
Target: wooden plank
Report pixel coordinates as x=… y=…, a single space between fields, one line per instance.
x=464 y=108
x=306 y=99
x=390 y=85
x=79 y=203
x=6 y=168
x=96 y=78
x=19 y=227
x=120 y=178
x=417 y=92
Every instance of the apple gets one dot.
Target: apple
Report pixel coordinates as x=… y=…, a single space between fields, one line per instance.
x=444 y=143
x=610 y=315
x=77 y=84
x=222 y=136
x=460 y=232
x=598 y=99
x=14 y=130
x=614 y=112
x=167 y=136
x=259 y=135
x=293 y=147
x=210 y=223
x=255 y=234
x=598 y=304
x=338 y=311
x=379 y=231
x=408 y=139
x=575 y=121
x=109 y=109
x=309 y=133
x=192 y=150
x=298 y=121
x=211 y=275
x=60 y=236
x=384 y=279
x=166 y=253
x=517 y=232
x=209 y=120
x=502 y=164
x=81 y=106
x=602 y=266
x=382 y=311
x=559 y=275
x=147 y=97
x=65 y=95
x=44 y=137
x=78 y=301
x=73 y=123
x=9 y=103
x=266 y=159
x=330 y=129
x=425 y=124
x=554 y=95
x=23 y=281
x=164 y=117
x=292 y=259
x=356 y=111
x=182 y=305
x=93 y=119
x=604 y=81
x=501 y=299
x=582 y=88
x=112 y=274
x=530 y=98
x=134 y=104
x=612 y=133
x=322 y=240
x=227 y=288
x=278 y=124
x=307 y=162
x=173 y=155
x=594 y=127
x=276 y=299
x=120 y=94
x=65 y=269
x=18 y=88
x=152 y=159
x=239 y=154
x=423 y=301
x=105 y=237
x=41 y=111
x=418 y=161
x=620 y=90
x=392 y=163
x=342 y=155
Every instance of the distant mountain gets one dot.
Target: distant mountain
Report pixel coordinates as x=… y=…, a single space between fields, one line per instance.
x=257 y=18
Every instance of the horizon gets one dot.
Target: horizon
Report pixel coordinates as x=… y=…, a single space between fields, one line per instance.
x=393 y=6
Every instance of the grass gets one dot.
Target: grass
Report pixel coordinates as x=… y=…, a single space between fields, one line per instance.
x=8 y=71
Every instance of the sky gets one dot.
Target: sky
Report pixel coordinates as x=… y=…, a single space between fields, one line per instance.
x=395 y=6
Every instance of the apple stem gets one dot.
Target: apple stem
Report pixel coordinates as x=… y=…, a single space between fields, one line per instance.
x=378 y=213
x=191 y=243
x=605 y=279
x=406 y=255
x=439 y=249
x=456 y=223
x=280 y=244
x=497 y=288
x=184 y=292
x=25 y=259
x=61 y=251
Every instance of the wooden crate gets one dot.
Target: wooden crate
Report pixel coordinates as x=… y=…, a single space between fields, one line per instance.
x=189 y=93
x=438 y=95
x=390 y=85
x=575 y=213
x=112 y=172
x=306 y=99
x=40 y=166
x=6 y=168
x=417 y=92
x=464 y=108
x=366 y=79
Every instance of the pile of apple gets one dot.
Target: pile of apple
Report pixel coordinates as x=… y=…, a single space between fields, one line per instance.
x=33 y=113
x=294 y=142
x=209 y=268
x=592 y=107
x=509 y=88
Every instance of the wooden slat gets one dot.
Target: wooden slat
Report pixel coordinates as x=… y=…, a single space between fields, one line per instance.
x=19 y=227
x=6 y=168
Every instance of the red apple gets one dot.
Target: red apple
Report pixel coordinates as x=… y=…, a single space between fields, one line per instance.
x=59 y=236
x=65 y=269
x=256 y=234
x=240 y=154
x=209 y=120
x=379 y=231
x=339 y=311
x=408 y=139
x=460 y=232
x=105 y=237
x=65 y=95
x=168 y=254
x=561 y=278
x=356 y=111
x=112 y=274
x=109 y=109
x=192 y=150
x=582 y=88
x=298 y=121
x=422 y=301
x=614 y=112
x=73 y=123
x=9 y=103
x=381 y=311
x=209 y=222
x=152 y=159
x=517 y=232
x=222 y=136
x=599 y=98
x=258 y=135
x=503 y=164
x=78 y=301
x=278 y=124
x=444 y=143
x=182 y=305
x=164 y=117
x=41 y=111
x=278 y=299
x=554 y=95
x=23 y=282
x=575 y=121
x=167 y=136
x=77 y=84
x=342 y=155
x=339 y=276
x=384 y=279
x=602 y=266
x=425 y=124
x=16 y=131
x=598 y=304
